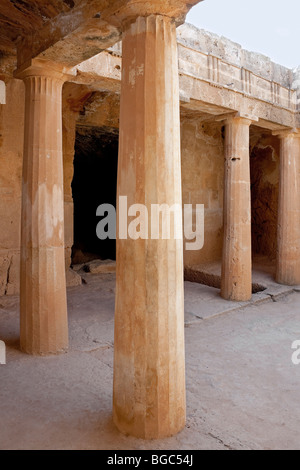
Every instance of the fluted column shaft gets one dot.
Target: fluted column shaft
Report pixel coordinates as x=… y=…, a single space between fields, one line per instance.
x=288 y=234
x=44 y=327
x=149 y=370
x=236 y=263
x=2 y=92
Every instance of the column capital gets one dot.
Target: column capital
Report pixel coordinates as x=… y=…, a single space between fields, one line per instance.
x=245 y=119
x=130 y=10
x=44 y=68
x=290 y=132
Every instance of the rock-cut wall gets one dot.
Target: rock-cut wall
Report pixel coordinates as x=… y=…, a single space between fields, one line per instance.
x=11 y=157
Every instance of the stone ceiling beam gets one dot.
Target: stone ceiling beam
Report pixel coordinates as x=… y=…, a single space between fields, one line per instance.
x=102 y=73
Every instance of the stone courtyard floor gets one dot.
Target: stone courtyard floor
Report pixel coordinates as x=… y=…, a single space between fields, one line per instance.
x=243 y=391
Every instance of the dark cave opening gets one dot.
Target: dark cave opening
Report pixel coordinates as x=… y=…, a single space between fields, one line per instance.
x=94 y=183
x=264 y=165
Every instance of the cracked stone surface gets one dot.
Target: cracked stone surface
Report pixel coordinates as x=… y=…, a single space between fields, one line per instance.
x=263 y=275
x=242 y=388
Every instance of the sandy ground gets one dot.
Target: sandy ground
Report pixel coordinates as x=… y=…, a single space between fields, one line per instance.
x=242 y=387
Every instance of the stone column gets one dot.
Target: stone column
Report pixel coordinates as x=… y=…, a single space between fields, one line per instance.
x=288 y=235
x=43 y=309
x=236 y=263
x=149 y=368
x=2 y=92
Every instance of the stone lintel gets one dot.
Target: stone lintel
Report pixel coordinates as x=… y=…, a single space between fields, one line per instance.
x=237 y=115
x=290 y=132
x=131 y=9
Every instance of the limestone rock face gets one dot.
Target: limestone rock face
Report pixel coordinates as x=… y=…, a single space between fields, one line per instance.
x=99 y=267
x=4 y=269
x=296 y=81
x=129 y=10
x=73 y=278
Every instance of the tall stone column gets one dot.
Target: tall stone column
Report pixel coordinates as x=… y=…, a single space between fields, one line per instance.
x=288 y=232
x=2 y=92
x=149 y=368
x=237 y=263
x=43 y=309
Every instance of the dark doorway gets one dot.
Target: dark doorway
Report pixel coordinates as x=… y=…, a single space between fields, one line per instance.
x=94 y=183
x=264 y=164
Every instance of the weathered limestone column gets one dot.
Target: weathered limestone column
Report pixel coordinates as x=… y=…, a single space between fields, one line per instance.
x=236 y=263
x=288 y=235
x=43 y=310
x=149 y=368
x=2 y=92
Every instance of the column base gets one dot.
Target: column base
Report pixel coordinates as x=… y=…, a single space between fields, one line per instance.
x=142 y=433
